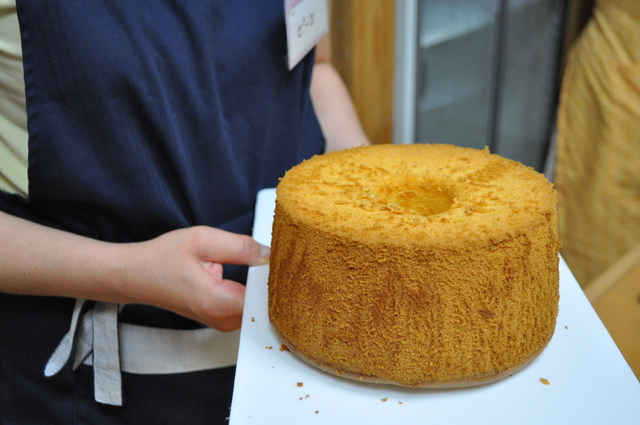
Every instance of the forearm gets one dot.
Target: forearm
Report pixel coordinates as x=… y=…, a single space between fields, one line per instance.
x=38 y=260
x=335 y=111
x=180 y=271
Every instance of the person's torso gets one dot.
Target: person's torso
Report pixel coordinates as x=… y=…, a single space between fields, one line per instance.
x=149 y=116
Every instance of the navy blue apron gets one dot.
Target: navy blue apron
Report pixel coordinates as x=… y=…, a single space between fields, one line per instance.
x=144 y=117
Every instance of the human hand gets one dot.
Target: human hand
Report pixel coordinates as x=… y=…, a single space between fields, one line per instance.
x=181 y=271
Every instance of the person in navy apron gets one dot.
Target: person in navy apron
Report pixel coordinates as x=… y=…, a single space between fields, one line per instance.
x=152 y=126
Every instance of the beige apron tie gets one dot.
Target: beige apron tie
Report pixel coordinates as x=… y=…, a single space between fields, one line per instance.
x=112 y=347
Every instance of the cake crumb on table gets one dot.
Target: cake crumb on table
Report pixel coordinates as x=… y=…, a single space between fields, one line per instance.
x=300 y=384
x=545 y=381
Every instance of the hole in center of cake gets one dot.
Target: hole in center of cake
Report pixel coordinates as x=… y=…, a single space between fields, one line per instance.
x=411 y=197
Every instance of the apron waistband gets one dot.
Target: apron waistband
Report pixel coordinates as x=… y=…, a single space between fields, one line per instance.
x=111 y=347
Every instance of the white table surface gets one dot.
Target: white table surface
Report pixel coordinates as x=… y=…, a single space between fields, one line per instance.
x=589 y=380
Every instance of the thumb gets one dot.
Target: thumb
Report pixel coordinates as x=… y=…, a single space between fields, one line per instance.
x=219 y=246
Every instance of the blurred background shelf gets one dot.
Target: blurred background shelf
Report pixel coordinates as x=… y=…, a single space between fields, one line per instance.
x=485 y=73
x=615 y=295
x=468 y=72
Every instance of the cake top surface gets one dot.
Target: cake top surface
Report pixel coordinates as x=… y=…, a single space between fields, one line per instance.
x=381 y=193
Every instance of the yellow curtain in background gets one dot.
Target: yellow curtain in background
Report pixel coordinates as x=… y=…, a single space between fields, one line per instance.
x=598 y=162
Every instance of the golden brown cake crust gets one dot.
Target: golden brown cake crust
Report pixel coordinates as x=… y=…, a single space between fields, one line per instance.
x=418 y=265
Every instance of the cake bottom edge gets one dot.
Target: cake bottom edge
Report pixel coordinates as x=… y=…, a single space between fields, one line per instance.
x=472 y=381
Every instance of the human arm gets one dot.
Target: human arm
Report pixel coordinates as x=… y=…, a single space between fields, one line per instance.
x=333 y=105
x=179 y=271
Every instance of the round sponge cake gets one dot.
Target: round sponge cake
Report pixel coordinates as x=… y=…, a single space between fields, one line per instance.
x=417 y=265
